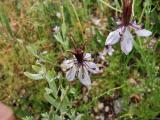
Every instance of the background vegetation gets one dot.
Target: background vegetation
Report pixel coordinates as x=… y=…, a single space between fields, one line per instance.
x=26 y=31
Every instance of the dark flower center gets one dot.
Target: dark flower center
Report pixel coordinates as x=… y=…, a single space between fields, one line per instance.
x=79 y=54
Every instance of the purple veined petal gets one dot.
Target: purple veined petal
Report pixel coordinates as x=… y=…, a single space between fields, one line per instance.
x=113 y=37
x=67 y=64
x=92 y=67
x=87 y=56
x=139 y=31
x=84 y=76
x=135 y=26
x=127 y=42
x=143 y=32
x=71 y=73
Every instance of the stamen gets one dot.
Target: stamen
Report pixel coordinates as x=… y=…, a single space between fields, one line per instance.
x=73 y=41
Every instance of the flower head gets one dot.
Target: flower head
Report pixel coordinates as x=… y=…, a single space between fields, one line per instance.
x=80 y=66
x=58 y=14
x=56 y=29
x=123 y=34
x=107 y=50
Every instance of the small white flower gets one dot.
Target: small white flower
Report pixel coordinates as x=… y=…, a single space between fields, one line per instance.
x=58 y=14
x=107 y=50
x=56 y=29
x=80 y=66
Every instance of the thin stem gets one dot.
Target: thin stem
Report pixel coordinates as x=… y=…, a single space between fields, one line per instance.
x=75 y=12
x=62 y=12
x=73 y=41
x=107 y=92
x=140 y=19
x=125 y=115
x=117 y=6
x=133 y=7
x=108 y=5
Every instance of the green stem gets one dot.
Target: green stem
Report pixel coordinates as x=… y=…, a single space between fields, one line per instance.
x=133 y=8
x=125 y=115
x=108 y=5
x=140 y=19
x=75 y=12
x=107 y=92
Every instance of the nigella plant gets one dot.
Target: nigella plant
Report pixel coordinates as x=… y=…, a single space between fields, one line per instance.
x=123 y=34
x=80 y=65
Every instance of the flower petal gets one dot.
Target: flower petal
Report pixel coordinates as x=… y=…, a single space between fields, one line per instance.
x=84 y=76
x=102 y=54
x=71 y=73
x=127 y=42
x=143 y=32
x=87 y=56
x=92 y=67
x=113 y=37
x=67 y=64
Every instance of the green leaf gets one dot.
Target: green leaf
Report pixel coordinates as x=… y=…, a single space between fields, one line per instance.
x=59 y=38
x=51 y=100
x=62 y=40
x=36 y=68
x=5 y=21
x=32 y=50
x=28 y=118
x=48 y=91
x=34 y=76
x=52 y=84
x=64 y=30
x=65 y=101
x=53 y=87
x=79 y=117
x=56 y=117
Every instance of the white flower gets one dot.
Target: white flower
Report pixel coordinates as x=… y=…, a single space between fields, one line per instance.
x=80 y=67
x=56 y=29
x=123 y=35
x=107 y=50
x=58 y=14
